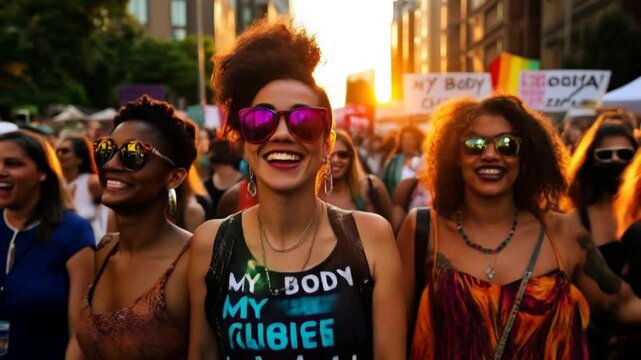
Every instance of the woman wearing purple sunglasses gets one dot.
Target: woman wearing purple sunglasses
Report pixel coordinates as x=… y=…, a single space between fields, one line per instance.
x=291 y=277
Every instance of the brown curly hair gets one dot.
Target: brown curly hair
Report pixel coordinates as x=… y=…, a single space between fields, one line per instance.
x=541 y=181
x=265 y=52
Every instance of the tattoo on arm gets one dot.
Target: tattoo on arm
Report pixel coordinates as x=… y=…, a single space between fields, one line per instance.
x=442 y=261
x=596 y=268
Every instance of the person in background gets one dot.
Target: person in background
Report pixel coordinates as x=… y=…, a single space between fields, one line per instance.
x=405 y=159
x=353 y=189
x=138 y=306
x=46 y=251
x=410 y=193
x=594 y=174
x=223 y=161
x=323 y=282
x=205 y=138
x=575 y=123
x=627 y=210
x=192 y=203
x=81 y=177
x=500 y=273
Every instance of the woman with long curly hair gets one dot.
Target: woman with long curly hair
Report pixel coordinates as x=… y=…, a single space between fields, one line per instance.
x=499 y=273
x=291 y=277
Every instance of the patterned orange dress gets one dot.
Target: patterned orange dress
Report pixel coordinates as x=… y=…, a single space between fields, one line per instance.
x=462 y=317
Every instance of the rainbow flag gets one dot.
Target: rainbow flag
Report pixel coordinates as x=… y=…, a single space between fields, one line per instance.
x=505 y=70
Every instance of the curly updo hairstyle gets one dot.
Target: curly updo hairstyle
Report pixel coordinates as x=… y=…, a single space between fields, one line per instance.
x=541 y=182
x=178 y=135
x=265 y=52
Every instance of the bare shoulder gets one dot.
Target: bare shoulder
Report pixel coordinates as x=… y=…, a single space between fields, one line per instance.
x=372 y=226
x=205 y=235
x=105 y=246
x=568 y=233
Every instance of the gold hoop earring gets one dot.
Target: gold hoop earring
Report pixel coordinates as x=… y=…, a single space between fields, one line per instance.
x=173 y=202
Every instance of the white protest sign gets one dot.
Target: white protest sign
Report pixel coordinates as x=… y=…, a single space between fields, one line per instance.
x=424 y=92
x=561 y=90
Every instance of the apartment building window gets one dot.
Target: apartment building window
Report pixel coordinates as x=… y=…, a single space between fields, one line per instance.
x=475 y=3
x=138 y=8
x=179 y=19
x=494 y=16
x=491 y=51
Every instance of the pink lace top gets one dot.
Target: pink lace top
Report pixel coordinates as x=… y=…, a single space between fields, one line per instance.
x=142 y=330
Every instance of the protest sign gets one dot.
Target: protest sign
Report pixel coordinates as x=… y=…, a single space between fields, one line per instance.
x=560 y=90
x=424 y=92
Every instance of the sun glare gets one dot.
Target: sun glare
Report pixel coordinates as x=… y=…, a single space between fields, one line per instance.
x=354 y=36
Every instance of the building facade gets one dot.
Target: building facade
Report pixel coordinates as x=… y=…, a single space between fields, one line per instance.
x=173 y=19
x=460 y=35
x=232 y=17
x=562 y=24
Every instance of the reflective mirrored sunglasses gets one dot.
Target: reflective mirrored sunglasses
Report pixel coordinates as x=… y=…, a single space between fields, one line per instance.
x=505 y=145
x=607 y=154
x=306 y=124
x=133 y=154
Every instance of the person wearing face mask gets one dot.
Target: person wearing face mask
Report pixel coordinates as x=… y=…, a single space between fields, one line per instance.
x=594 y=175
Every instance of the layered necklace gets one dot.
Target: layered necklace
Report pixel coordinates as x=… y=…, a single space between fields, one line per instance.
x=313 y=223
x=490 y=271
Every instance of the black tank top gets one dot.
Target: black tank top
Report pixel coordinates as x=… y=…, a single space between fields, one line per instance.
x=323 y=313
x=612 y=252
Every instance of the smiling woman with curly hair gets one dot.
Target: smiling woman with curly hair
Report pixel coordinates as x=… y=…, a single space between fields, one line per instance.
x=496 y=172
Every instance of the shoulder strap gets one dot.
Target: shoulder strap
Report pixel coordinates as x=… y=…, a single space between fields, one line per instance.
x=344 y=227
x=217 y=278
x=421 y=236
x=585 y=218
x=519 y=296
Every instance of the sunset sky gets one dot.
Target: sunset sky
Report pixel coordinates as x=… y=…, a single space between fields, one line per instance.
x=354 y=36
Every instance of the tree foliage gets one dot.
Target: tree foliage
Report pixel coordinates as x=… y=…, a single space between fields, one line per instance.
x=80 y=51
x=611 y=43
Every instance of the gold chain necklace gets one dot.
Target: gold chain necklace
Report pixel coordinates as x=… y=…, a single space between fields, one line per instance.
x=263 y=239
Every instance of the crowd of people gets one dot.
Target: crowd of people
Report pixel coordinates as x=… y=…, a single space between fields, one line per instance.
x=494 y=235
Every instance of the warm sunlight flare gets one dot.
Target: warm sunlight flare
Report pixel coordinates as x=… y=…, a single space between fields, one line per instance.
x=354 y=36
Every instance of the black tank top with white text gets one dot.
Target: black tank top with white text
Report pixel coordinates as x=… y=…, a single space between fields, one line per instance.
x=320 y=313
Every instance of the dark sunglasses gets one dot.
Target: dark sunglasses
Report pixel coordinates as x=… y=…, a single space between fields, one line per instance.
x=342 y=154
x=306 y=124
x=607 y=154
x=506 y=145
x=63 y=150
x=133 y=154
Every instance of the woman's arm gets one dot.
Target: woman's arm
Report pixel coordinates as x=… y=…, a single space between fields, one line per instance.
x=405 y=242
x=388 y=308
x=202 y=340
x=604 y=290
x=80 y=268
x=228 y=203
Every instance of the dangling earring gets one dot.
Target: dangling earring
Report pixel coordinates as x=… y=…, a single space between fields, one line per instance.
x=173 y=202
x=251 y=185
x=329 y=181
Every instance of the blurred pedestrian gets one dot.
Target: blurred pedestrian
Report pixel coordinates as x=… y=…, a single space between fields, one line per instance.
x=223 y=161
x=81 y=179
x=500 y=275
x=353 y=189
x=323 y=282
x=627 y=208
x=205 y=138
x=137 y=306
x=594 y=175
x=46 y=251
x=405 y=159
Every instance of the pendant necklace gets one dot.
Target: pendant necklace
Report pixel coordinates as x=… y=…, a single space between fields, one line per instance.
x=490 y=271
x=264 y=239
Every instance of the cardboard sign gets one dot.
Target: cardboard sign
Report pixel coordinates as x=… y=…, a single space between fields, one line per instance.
x=561 y=90
x=424 y=92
